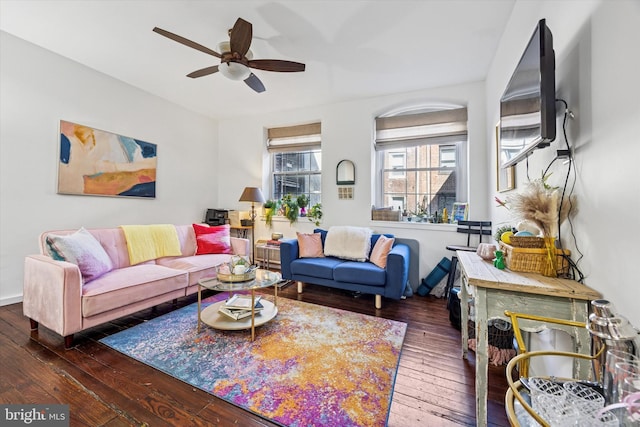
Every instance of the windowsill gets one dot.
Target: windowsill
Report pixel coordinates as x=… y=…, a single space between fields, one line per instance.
x=406 y=225
x=414 y=225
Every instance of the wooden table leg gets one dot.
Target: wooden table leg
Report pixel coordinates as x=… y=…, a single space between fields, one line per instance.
x=464 y=318
x=482 y=356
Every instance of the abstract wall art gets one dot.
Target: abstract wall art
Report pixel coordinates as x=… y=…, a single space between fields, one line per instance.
x=95 y=162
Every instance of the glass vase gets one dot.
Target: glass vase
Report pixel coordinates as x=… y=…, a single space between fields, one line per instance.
x=550 y=264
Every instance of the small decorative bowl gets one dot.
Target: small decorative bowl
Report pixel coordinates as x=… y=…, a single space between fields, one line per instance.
x=276 y=236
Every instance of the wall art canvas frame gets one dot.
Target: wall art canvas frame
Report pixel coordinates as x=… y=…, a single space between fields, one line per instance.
x=505 y=177
x=460 y=212
x=100 y=163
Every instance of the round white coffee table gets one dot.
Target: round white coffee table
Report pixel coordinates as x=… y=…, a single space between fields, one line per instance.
x=213 y=318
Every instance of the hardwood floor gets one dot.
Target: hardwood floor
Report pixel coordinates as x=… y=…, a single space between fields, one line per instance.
x=434 y=385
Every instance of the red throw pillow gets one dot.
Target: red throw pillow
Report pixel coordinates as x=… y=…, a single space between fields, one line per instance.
x=213 y=240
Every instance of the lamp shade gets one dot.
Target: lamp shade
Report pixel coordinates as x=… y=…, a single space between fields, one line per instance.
x=252 y=194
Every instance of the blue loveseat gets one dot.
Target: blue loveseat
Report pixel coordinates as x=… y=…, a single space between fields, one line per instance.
x=364 y=277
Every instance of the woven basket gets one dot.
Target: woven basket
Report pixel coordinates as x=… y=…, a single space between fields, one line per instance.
x=526 y=242
x=532 y=260
x=386 y=215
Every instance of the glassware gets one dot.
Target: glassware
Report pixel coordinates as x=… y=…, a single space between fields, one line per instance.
x=584 y=398
x=609 y=331
x=631 y=395
x=548 y=399
x=624 y=371
x=613 y=357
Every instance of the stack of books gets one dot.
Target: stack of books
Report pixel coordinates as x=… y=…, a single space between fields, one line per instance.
x=239 y=306
x=272 y=242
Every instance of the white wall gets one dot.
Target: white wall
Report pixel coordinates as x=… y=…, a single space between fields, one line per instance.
x=597 y=69
x=38 y=89
x=348 y=133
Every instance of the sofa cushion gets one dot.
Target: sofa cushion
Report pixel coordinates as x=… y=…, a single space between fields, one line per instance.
x=381 y=251
x=129 y=285
x=212 y=240
x=82 y=249
x=364 y=273
x=198 y=266
x=315 y=267
x=310 y=245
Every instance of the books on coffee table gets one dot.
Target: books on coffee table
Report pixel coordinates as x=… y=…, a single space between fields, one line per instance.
x=239 y=306
x=243 y=302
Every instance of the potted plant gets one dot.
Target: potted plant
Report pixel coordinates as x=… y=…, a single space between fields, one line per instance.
x=290 y=208
x=315 y=214
x=303 y=202
x=269 y=211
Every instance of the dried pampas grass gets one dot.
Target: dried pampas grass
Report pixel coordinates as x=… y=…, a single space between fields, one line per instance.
x=539 y=204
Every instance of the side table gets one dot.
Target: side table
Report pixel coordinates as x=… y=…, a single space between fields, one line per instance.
x=268 y=256
x=497 y=290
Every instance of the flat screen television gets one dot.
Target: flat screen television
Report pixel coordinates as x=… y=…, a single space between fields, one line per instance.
x=528 y=105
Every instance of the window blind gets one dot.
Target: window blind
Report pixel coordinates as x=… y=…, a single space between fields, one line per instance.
x=292 y=138
x=437 y=127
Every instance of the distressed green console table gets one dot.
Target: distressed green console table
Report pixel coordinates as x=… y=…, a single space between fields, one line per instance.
x=495 y=291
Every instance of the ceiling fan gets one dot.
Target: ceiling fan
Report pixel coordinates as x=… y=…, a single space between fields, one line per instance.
x=236 y=59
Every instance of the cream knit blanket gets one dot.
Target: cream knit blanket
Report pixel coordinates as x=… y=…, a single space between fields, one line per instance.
x=352 y=243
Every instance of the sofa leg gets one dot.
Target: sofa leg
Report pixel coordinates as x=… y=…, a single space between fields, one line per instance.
x=68 y=341
x=34 y=324
x=378 y=302
x=299 y=287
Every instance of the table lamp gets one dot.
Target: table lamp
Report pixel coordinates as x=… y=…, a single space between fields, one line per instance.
x=253 y=195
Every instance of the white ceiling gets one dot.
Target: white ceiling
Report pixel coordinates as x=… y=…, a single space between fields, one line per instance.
x=352 y=49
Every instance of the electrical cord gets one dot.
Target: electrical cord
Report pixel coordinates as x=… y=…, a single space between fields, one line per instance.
x=573 y=265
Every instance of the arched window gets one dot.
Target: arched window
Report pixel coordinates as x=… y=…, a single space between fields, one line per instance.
x=421 y=160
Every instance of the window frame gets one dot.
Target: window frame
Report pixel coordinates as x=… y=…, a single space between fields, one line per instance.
x=444 y=128
x=300 y=140
x=314 y=196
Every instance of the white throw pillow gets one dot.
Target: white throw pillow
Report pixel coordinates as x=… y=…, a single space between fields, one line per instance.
x=84 y=250
x=346 y=242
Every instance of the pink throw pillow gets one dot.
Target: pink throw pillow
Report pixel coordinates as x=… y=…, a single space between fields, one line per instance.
x=310 y=245
x=213 y=240
x=381 y=251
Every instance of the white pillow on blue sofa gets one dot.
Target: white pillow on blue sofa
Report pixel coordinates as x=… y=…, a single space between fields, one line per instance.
x=347 y=242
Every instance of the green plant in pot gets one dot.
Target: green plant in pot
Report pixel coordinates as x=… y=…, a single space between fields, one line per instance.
x=290 y=207
x=270 y=207
x=315 y=214
x=303 y=202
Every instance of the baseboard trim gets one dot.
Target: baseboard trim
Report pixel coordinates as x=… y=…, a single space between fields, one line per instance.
x=11 y=300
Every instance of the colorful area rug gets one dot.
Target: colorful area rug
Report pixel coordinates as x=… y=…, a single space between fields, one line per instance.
x=310 y=366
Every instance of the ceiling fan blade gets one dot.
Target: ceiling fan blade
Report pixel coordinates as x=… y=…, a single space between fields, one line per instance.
x=203 y=72
x=254 y=83
x=186 y=42
x=277 y=65
x=240 y=37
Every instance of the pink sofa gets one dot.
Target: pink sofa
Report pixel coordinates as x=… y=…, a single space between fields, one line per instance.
x=55 y=296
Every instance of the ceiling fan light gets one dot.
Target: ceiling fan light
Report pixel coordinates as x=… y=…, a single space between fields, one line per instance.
x=234 y=70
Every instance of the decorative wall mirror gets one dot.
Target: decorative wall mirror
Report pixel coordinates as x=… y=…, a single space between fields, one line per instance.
x=345 y=173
